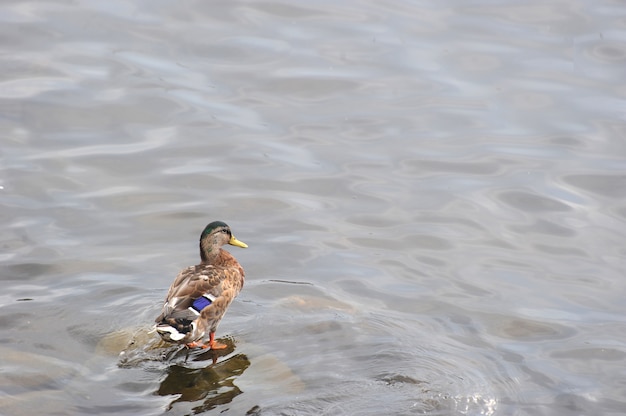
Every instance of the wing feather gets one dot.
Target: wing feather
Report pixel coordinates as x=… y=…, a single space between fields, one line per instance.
x=195 y=281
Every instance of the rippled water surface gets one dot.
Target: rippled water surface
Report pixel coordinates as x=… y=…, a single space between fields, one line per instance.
x=433 y=194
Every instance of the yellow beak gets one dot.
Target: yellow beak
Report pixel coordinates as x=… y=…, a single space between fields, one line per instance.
x=234 y=242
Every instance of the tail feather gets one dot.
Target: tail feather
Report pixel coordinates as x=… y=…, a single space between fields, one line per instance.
x=173 y=330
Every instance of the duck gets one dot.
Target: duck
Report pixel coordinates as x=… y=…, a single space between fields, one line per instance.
x=200 y=295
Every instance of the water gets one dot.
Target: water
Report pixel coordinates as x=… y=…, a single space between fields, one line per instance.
x=433 y=195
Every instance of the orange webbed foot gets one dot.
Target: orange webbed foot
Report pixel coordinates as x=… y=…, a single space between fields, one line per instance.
x=214 y=344
x=196 y=344
x=217 y=345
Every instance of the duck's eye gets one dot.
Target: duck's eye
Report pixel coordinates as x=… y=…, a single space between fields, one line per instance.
x=225 y=231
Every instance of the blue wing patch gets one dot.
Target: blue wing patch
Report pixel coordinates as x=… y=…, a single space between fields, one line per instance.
x=202 y=302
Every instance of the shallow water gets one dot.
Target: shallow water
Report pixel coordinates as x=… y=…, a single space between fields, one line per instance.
x=433 y=195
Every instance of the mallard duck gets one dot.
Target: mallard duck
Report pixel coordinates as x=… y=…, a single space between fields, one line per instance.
x=200 y=295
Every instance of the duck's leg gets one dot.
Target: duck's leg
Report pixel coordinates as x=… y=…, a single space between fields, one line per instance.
x=214 y=344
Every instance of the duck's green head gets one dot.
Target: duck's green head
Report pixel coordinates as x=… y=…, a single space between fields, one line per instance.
x=218 y=233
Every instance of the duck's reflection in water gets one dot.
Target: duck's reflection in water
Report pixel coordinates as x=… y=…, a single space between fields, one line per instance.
x=209 y=386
